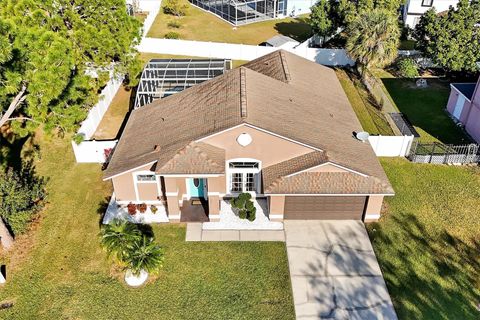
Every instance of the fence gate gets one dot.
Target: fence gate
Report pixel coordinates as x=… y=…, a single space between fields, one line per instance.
x=440 y=153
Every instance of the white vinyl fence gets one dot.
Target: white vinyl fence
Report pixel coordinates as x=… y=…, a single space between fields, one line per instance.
x=93 y=151
x=331 y=57
x=391 y=146
x=90 y=124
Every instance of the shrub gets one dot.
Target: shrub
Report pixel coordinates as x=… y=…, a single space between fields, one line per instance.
x=174 y=25
x=132 y=209
x=153 y=208
x=132 y=246
x=172 y=35
x=142 y=207
x=245 y=206
x=174 y=7
x=407 y=68
x=22 y=196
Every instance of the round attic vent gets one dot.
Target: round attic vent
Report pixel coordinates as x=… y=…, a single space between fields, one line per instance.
x=244 y=139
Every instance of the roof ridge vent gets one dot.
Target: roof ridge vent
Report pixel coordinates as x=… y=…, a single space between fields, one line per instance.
x=243 y=92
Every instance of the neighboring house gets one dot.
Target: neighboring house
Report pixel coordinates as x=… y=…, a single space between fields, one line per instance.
x=238 y=12
x=464 y=105
x=414 y=9
x=280 y=127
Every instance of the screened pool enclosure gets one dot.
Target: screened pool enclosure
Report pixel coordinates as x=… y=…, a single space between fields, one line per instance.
x=239 y=12
x=163 y=77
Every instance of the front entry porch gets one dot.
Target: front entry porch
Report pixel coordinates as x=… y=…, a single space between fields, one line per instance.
x=194 y=210
x=228 y=220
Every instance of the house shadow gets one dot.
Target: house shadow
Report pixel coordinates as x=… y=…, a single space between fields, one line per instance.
x=299 y=29
x=435 y=271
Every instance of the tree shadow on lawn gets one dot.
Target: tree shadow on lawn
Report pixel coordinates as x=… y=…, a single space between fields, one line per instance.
x=425 y=108
x=299 y=29
x=430 y=275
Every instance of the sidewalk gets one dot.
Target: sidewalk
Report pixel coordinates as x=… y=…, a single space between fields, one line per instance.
x=196 y=233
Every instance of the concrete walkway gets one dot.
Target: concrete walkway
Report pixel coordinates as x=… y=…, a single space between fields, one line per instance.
x=334 y=272
x=196 y=233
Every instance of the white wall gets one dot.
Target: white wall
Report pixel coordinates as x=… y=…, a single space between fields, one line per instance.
x=296 y=7
x=90 y=124
x=415 y=9
x=92 y=151
x=331 y=57
x=391 y=146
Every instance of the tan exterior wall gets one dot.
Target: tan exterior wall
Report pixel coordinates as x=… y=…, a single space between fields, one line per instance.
x=173 y=197
x=213 y=207
x=264 y=147
x=216 y=184
x=123 y=185
x=147 y=192
x=374 y=207
x=276 y=206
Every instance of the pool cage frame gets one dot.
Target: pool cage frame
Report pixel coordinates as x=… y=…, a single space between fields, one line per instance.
x=163 y=77
x=239 y=12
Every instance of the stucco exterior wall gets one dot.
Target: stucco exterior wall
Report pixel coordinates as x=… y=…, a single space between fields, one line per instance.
x=147 y=192
x=452 y=102
x=264 y=147
x=374 y=207
x=473 y=122
x=276 y=205
x=124 y=187
x=415 y=9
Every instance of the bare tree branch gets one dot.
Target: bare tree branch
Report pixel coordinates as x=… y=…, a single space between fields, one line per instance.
x=19 y=98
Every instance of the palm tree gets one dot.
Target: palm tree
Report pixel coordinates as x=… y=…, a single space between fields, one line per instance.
x=119 y=236
x=144 y=254
x=373 y=38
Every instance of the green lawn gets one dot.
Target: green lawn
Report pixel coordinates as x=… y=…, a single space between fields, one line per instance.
x=425 y=108
x=428 y=241
x=371 y=119
x=59 y=271
x=203 y=26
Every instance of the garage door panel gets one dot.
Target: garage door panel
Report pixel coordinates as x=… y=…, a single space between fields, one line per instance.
x=324 y=208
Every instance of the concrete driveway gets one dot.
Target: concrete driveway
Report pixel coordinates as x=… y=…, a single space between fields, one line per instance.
x=334 y=271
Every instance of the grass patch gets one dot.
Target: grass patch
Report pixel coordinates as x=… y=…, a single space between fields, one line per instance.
x=203 y=26
x=371 y=119
x=427 y=244
x=59 y=270
x=425 y=108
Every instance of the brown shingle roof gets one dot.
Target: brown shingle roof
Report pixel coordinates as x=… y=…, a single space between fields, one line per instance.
x=329 y=183
x=280 y=92
x=276 y=171
x=195 y=158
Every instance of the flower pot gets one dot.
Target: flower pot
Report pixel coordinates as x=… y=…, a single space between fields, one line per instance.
x=136 y=281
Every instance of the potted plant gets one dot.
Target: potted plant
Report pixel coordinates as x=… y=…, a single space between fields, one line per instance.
x=244 y=207
x=136 y=251
x=142 y=207
x=153 y=208
x=132 y=209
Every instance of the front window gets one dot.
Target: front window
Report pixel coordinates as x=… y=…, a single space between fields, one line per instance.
x=146 y=178
x=427 y=3
x=244 y=176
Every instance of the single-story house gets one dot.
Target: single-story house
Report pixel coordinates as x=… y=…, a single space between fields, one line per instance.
x=413 y=10
x=464 y=106
x=279 y=127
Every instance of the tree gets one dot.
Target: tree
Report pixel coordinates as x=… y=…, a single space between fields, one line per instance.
x=22 y=196
x=118 y=237
x=48 y=53
x=345 y=12
x=144 y=254
x=452 y=40
x=407 y=68
x=372 y=38
x=322 y=20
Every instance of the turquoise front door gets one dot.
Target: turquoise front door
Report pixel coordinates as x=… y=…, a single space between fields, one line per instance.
x=196 y=187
